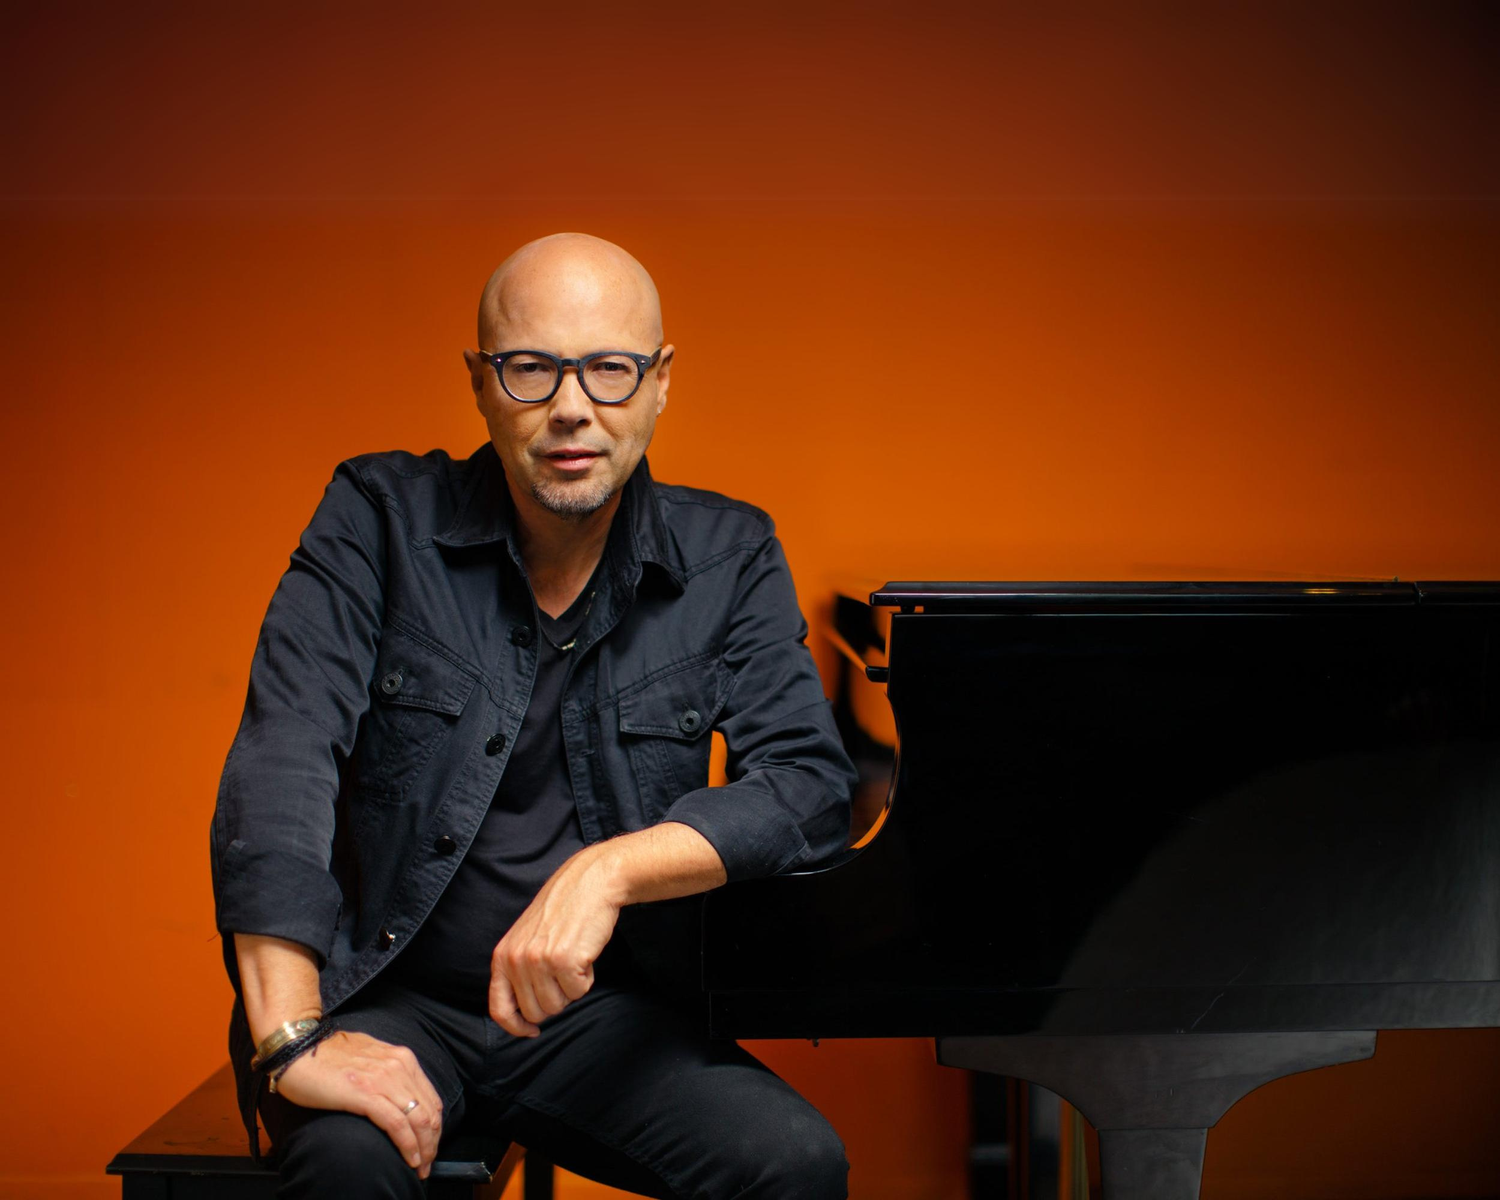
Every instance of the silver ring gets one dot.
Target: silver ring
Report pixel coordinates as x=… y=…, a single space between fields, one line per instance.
x=413 y=1104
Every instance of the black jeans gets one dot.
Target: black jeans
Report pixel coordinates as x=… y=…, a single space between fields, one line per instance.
x=621 y=1086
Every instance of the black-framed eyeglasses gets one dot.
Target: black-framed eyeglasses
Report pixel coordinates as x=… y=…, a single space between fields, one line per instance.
x=607 y=377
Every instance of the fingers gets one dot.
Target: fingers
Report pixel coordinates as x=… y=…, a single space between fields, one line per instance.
x=545 y=960
x=525 y=989
x=549 y=997
x=427 y=1094
x=379 y=1080
x=389 y=1117
x=414 y=1129
x=426 y=1119
x=531 y=1011
x=504 y=1009
x=535 y=975
x=576 y=984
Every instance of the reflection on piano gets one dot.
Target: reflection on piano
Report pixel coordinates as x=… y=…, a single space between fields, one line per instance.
x=1275 y=807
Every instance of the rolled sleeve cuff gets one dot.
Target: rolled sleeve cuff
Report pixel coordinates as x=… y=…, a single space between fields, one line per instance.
x=271 y=894
x=753 y=835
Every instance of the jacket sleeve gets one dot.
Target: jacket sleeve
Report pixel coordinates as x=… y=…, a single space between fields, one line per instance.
x=272 y=832
x=787 y=805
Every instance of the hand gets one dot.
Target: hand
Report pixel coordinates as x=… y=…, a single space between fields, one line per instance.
x=545 y=961
x=354 y=1072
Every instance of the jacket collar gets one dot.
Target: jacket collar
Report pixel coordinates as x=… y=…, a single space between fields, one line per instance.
x=486 y=514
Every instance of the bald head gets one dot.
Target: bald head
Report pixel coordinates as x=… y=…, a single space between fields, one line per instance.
x=576 y=290
x=567 y=458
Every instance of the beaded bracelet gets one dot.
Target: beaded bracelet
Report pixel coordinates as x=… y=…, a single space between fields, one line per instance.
x=274 y=1064
x=283 y=1034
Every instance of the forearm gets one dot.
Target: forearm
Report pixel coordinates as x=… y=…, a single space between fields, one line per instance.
x=660 y=863
x=278 y=981
x=350 y=1072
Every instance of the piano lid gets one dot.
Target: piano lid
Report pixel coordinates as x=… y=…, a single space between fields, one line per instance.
x=1145 y=808
x=1157 y=596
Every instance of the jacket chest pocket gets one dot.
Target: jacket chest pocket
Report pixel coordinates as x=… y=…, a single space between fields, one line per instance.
x=664 y=727
x=417 y=696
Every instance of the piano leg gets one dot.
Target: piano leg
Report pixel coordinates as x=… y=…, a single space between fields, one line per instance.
x=1153 y=1097
x=1151 y=1162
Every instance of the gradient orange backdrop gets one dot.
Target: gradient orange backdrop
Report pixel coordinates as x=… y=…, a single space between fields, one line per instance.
x=958 y=291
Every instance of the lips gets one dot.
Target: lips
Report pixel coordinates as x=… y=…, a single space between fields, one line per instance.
x=571 y=457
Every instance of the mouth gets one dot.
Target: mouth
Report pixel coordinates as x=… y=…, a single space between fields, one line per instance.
x=572 y=458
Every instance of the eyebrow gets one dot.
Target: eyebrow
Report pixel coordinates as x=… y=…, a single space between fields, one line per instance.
x=556 y=354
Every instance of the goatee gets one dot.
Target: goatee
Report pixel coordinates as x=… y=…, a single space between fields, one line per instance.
x=571 y=501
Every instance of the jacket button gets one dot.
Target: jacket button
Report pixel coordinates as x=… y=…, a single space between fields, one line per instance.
x=494 y=743
x=385 y=939
x=521 y=635
x=391 y=684
x=445 y=845
x=689 y=721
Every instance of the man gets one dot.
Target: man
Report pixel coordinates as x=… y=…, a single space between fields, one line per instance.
x=476 y=734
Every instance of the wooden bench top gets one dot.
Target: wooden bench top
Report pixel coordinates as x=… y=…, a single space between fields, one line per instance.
x=204 y=1135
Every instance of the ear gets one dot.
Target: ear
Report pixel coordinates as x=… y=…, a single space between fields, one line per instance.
x=476 y=366
x=663 y=376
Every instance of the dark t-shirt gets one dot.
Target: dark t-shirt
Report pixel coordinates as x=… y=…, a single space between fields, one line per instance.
x=531 y=826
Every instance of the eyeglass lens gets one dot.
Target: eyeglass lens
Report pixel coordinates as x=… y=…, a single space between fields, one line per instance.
x=528 y=377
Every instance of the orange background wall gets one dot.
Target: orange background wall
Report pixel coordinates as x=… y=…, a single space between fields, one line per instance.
x=1029 y=292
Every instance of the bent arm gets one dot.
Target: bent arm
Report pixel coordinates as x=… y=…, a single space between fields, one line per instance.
x=276 y=901
x=791 y=782
x=273 y=824
x=786 y=807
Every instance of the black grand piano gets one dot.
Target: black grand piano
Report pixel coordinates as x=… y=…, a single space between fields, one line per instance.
x=1265 y=818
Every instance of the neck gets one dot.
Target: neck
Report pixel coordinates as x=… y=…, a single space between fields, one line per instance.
x=560 y=552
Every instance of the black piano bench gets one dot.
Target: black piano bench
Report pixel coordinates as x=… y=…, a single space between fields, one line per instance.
x=197 y=1152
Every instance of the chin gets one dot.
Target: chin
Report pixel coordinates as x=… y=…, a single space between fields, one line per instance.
x=571 y=500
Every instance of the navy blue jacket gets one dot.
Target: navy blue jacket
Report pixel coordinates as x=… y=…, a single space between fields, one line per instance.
x=394 y=667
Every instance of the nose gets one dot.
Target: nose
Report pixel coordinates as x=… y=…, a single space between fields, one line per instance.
x=570 y=405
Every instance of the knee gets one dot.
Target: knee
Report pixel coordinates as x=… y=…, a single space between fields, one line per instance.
x=342 y=1154
x=806 y=1161
x=822 y=1166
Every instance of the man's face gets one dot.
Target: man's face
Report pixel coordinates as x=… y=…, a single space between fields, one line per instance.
x=570 y=317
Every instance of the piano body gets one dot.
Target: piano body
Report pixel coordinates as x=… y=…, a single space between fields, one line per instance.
x=1149 y=845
